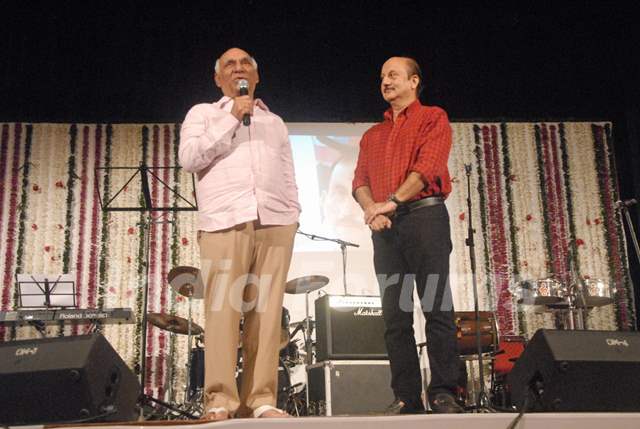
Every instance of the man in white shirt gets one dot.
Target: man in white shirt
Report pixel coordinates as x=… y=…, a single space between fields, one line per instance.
x=247 y=219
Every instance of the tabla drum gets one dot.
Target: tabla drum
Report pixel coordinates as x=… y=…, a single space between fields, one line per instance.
x=540 y=292
x=467 y=325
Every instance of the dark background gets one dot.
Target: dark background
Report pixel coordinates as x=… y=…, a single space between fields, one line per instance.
x=111 y=61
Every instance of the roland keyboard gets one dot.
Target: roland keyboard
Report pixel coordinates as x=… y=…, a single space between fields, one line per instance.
x=105 y=315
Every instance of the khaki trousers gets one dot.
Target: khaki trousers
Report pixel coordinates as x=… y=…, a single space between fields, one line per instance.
x=244 y=269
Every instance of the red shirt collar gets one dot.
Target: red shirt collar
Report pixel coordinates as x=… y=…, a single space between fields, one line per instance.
x=409 y=110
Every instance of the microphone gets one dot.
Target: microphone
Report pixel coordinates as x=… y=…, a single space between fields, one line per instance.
x=626 y=203
x=243 y=87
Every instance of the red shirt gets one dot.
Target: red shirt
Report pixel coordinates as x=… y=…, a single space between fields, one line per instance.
x=419 y=140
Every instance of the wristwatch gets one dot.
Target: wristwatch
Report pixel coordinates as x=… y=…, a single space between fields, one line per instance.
x=393 y=198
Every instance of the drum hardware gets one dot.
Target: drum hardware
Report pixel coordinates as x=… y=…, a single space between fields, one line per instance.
x=187 y=281
x=306 y=285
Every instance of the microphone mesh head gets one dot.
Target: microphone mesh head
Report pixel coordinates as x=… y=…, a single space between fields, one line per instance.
x=243 y=84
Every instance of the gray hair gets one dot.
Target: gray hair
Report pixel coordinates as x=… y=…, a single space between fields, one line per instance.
x=253 y=61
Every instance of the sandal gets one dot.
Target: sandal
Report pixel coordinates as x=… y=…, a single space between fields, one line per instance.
x=215 y=414
x=267 y=411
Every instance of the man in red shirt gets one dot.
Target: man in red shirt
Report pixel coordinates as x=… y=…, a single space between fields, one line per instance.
x=401 y=181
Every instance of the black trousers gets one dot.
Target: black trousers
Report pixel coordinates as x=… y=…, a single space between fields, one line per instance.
x=415 y=250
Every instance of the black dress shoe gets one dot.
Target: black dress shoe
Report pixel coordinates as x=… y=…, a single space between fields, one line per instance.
x=401 y=407
x=445 y=403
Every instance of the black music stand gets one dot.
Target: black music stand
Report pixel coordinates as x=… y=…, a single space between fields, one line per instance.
x=139 y=182
x=46 y=291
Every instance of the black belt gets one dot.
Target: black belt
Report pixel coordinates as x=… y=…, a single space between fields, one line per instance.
x=418 y=204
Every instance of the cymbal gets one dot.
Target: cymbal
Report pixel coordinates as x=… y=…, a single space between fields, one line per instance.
x=187 y=281
x=175 y=324
x=306 y=284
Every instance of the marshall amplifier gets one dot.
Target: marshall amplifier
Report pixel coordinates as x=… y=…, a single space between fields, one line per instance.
x=349 y=328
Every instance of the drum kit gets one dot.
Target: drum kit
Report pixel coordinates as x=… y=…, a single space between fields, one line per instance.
x=187 y=282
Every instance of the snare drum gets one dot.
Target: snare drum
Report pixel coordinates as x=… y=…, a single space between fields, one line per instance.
x=540 y=292
x=466 y=325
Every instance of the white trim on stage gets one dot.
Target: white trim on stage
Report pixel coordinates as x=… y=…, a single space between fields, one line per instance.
x=433 y=421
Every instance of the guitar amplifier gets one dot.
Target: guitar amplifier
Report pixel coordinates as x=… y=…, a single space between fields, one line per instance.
x=349 y=328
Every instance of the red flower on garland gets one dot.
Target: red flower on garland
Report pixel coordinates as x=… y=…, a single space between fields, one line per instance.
x=34 y=227
x=588 y=221
x=461 y=216
x=131 y=230
x=185 y=241
x=112 y=289
x=60 y=226
x=36 y=188
x=454 y=179
x=529 y=217
x=579 y=242
x=47 y=248
x=512 y=178
x=60 y=184
x=129 y=293
x=525 y=264
x=179 y=298
x=597 y=221
x=128 y=259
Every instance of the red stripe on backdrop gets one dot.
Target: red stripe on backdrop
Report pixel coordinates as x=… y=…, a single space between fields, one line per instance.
x=153 y=263
x=4 y=149
x=164 y=259
x=82 y=217
x=560 y=206
x=612 y=236
x=551 y=200
x=499 y=248
x=95 y=227
x=10 y=238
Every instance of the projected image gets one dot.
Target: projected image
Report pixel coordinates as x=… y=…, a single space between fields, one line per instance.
x=324 y=171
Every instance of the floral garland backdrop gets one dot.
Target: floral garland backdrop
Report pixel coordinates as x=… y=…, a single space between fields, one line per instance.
x=540 y=191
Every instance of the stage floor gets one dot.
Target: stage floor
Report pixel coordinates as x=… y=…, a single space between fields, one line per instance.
x=445 y=421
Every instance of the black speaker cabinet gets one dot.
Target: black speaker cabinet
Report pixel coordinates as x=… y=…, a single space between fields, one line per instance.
x=578 y=371
x=349 y=327
x=358 y=387
x=65 y=379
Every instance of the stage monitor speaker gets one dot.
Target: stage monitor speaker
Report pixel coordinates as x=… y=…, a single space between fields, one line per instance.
x=349 y=327
x=578 y=371
x=66 y=379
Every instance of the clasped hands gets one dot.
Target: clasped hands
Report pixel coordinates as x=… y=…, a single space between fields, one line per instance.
x=376 y=215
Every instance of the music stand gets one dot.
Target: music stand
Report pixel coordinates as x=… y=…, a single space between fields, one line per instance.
x=46 y=291
x=142 y=199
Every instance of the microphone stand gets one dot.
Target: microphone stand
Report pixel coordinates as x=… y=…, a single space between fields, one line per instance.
x=482 y=402
x=623 y=207
x=343 y=248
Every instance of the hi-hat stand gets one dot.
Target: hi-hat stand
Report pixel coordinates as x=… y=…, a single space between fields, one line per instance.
x=147 y=205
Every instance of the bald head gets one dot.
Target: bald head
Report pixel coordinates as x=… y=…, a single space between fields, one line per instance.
x=232 y=51
x=235 y=65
